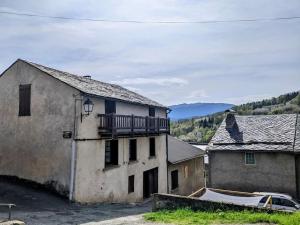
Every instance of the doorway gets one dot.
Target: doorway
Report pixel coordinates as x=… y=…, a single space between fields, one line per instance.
x=150 y=182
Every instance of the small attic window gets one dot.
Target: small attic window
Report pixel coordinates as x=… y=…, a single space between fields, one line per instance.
x=24 y=100
x=249 y=158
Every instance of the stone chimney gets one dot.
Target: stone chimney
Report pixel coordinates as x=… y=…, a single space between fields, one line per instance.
x=230 y=120
x=87 y=76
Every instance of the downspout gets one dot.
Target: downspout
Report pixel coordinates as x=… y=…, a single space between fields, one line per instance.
x=73 y=166
x=74 y=151
x=167 y=146
x=167 y=150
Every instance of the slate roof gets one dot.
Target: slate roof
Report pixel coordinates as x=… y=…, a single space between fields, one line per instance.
x=259 y=133
x=95 y=87
x=179 y=151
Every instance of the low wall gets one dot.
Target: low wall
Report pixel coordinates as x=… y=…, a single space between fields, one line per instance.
x=168 y=202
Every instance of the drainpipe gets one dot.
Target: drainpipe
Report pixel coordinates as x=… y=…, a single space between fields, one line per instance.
x=167 y=151
x=167 y=146
x=73 y=165
x=74 y=150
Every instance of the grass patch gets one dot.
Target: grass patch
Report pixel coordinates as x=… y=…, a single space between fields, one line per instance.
x=189 y=217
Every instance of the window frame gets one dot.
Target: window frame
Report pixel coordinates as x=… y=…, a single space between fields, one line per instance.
x=24 y=100
x=174 y=182
x=132 y=155
x=151 y=111
x=130 y=184
x=110 y=106
x=247 y=162
x=113 y=153
x=152 y=147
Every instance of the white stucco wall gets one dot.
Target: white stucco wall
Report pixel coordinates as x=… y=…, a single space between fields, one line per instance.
x=95 y=184
x=33 y=147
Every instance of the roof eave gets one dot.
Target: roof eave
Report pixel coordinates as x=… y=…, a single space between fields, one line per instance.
x=186 y=159
x=93 y=95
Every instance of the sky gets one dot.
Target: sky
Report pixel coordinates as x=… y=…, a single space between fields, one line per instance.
x=170 y=63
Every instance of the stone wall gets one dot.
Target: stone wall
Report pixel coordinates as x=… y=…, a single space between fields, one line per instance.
x=172 y=202
x=272 y=172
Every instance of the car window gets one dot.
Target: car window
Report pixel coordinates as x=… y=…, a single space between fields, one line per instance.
x=264 y=199
x=276 y=201
x=288 y=203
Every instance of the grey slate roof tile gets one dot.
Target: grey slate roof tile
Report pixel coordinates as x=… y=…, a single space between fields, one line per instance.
x=95 y=87
x=179 y=151
x=259 y=132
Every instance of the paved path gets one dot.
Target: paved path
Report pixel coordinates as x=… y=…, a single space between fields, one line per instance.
x=37 y=207
x=128 y=220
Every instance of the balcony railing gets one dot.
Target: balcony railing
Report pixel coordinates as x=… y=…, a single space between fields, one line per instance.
x=118 y=125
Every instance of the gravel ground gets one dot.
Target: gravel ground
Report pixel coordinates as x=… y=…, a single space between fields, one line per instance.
x=38 y=207
x=128 y=220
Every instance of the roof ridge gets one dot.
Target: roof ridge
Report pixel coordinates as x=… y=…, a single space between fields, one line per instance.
x=61 y=71
x=283 y=114
x=123 y=93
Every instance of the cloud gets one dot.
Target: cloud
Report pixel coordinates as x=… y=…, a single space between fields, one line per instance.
x=196 y=95
x=160 y=81
x=232 y=62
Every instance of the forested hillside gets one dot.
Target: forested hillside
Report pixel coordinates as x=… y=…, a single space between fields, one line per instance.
x=188 y=111
x=202 y=129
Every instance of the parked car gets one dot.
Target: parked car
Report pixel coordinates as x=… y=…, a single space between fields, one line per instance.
x=279 y=201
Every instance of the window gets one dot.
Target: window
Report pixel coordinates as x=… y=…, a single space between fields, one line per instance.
x=186 y=171
x=24 y=99
x=152 y=111
x=174 y=179
x=111 y=153
x=276 y=201
x=287 y=203
x=249 y=158
x=152 y=146
x=131 y=184
x=264 y=199
x=110 y=107
x=132 y=149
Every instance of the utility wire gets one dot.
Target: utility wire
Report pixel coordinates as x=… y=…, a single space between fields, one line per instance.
x=153 y=22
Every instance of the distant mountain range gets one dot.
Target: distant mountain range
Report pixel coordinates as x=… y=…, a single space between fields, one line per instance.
x=203 y=128
x=187 y=111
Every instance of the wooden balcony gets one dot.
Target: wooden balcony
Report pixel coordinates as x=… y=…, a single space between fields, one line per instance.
x=113 y=125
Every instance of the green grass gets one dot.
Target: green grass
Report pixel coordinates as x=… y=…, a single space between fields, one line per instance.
x=189 y=217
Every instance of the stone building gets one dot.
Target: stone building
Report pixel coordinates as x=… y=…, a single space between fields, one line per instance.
x=185 y=167
x=256 y=153
x=89 y=140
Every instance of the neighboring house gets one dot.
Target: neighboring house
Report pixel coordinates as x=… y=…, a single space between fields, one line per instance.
x=185 y=168
x=89 y=140
x=256 y=153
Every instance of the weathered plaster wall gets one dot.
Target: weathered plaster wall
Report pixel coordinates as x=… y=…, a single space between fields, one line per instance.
x=32 y=147
x=273 y=172
x=195 y=179
x=94 y=183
